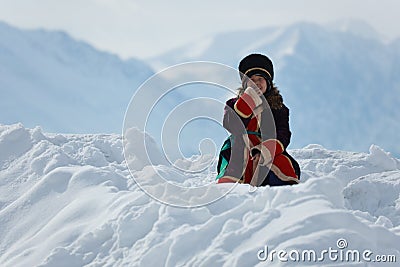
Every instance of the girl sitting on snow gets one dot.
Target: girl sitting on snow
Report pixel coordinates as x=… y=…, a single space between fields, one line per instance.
x=258 y=121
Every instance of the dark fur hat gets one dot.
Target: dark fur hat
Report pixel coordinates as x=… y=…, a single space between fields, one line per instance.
x=256 y=64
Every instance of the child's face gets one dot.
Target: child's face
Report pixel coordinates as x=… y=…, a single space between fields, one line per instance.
x=260 y=82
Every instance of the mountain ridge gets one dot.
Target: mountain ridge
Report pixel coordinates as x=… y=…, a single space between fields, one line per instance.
x=341 y=87
x=57 y=77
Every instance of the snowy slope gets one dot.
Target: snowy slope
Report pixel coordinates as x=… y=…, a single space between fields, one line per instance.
x=49 y=79
x=341 y=81
x=69 y=200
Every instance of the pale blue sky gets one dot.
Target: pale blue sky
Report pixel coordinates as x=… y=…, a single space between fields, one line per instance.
x=133 y=28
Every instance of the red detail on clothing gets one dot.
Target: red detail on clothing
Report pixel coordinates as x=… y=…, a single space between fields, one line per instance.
x=223 y=180
x=285 y=166
x=248 y=174
x=253 y=127
x=245 y=105
x=274 y=147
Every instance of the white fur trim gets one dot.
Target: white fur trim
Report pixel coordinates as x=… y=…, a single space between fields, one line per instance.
x=266 y=155
x=253 y=94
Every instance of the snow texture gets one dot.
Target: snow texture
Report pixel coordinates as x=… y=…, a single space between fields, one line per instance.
x=69 y=200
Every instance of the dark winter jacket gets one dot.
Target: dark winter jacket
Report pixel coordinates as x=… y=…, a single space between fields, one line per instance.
x=238 y=126
x=281 y=120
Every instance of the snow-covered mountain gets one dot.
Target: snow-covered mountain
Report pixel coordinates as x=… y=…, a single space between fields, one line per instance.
x=49 y=79
x=340 y=81
x=69 y=200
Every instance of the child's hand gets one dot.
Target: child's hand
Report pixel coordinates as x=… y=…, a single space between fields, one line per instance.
x=255 y=94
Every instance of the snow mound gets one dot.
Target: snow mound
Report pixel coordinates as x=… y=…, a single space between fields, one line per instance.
x=69 y=200
x=378 y=194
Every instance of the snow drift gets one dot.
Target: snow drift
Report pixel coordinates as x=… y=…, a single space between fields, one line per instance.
x=69 y=200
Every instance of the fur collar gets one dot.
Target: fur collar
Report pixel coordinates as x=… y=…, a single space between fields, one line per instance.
x=274 y=99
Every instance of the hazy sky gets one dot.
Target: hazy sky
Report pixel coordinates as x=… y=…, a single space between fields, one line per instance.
x=133 y=28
